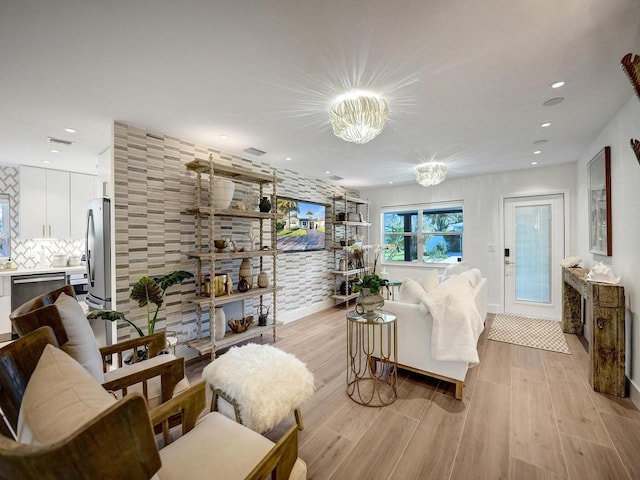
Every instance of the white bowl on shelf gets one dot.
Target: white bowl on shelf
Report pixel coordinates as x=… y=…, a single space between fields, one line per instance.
x=223 y=189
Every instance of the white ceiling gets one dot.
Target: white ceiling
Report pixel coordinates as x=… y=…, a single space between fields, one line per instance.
x=465 y=79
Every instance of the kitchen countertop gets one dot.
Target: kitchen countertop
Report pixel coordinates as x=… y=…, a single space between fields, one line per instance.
x=29 y=271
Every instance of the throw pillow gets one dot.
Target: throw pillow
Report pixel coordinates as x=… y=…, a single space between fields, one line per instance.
x=60 y=397
x=82 y=344
x=431 y=280
x=455 y=269
x=410 y=291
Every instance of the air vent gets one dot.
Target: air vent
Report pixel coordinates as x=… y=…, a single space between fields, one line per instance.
x=60 y=141
x=254 y=151
x=335 y=177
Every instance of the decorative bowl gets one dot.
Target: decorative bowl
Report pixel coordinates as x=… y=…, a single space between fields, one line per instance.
x=239 y=326
x=220 y=244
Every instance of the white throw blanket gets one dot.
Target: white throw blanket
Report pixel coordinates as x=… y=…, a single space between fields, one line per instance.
x=457 y=324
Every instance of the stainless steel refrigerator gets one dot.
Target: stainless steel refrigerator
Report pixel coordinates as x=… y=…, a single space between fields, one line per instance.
x=98 y=255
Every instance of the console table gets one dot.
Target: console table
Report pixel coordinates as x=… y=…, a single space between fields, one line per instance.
x=603 y=327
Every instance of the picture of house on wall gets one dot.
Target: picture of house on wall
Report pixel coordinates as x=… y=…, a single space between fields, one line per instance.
x=300 y=225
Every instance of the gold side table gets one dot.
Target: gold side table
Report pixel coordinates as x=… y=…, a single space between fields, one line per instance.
x=372 y=349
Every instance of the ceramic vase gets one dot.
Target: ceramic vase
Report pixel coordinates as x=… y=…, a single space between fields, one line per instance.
x=223 y=189
x=265 y=205
x=245 y=272
x=368 y=302
x=220 y=320
x=263 y=280
x=243 y=285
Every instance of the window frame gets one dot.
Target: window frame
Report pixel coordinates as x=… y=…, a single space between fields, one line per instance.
x=420 y=235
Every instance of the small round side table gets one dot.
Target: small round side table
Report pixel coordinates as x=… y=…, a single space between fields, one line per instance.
x=372 y=349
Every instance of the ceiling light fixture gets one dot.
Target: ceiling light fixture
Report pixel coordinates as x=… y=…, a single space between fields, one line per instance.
x=287 y=158
x=70 y=130
x=545 y=124
x=557 y=84
x=430 y=173
x=553 y=101
x=358 y=116
x=537 y=152
x=224 y=137
x=534 y=163
x=53 y=150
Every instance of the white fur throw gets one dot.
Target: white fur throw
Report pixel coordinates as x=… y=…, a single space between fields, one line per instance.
x=267 y=383
x=457 y=324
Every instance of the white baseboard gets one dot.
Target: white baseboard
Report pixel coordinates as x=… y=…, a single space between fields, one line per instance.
x=293 y=315
x=494 y=308
x=634 y=394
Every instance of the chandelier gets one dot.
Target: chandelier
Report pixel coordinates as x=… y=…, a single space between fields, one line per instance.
x=358 y=116
x=431 y=173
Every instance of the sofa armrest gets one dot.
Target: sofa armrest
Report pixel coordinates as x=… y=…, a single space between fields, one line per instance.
x=189 y=404
x=169 y=368
x=153 y=343
x=88 y=452
x=280 y=460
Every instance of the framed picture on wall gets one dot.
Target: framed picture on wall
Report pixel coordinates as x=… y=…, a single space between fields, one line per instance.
x=600 y=203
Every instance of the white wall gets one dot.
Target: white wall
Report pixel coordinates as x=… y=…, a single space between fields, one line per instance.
x=483 y=197
x=625 y=191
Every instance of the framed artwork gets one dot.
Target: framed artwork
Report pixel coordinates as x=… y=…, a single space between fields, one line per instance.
x=600 y=203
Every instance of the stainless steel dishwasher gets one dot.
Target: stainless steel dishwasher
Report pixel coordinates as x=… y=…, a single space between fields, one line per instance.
x=26 y=287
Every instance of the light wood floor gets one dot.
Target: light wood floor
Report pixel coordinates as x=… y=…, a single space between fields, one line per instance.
x=526 y=414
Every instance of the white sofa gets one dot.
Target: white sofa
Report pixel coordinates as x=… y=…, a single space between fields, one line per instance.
x=415 y=324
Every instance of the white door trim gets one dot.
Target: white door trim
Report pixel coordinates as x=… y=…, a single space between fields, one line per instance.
x=536 y=193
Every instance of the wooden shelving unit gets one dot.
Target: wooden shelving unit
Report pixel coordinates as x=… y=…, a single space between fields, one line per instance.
x=205 y=170
x=350 y=217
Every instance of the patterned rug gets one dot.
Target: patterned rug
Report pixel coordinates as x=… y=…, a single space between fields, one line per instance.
x=529 y=332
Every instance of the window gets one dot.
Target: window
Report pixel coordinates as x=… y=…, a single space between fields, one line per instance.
x=433 y=230
x=5 y=226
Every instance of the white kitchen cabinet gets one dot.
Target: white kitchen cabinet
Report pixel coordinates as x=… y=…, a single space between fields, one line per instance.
x=53 y=203
x=83 y=190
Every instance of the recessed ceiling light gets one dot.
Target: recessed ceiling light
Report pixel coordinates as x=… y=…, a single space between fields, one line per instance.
x=70 y=130
x=53 y=150
x=224 y=137
x=553 y=101
x=287 y=158
x=534 y=163
x=537 y=152
x=545 y=124
x=327 y=172
x=46 y=161
x=557 y=84
x=390 y=182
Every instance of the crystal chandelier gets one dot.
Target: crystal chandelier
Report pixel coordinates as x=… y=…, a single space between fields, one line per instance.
x=358 y=116
x=431 y=173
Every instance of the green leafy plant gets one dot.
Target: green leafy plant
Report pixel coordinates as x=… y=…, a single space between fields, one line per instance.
x=371 y=280
x=146 y=291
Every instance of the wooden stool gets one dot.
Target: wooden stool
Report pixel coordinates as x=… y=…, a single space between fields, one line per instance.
x=258 y=386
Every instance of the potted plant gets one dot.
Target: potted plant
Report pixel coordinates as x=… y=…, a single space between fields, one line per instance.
x=369 y=286
x=146 y=291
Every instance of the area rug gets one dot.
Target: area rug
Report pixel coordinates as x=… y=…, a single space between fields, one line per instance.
x=528 y=332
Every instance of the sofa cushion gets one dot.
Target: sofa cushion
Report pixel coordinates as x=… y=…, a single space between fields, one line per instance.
x=82 y=344
x=473 y=276
x=410 y=291
x=431 y=280
x=237 y=450
x=60 y=397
